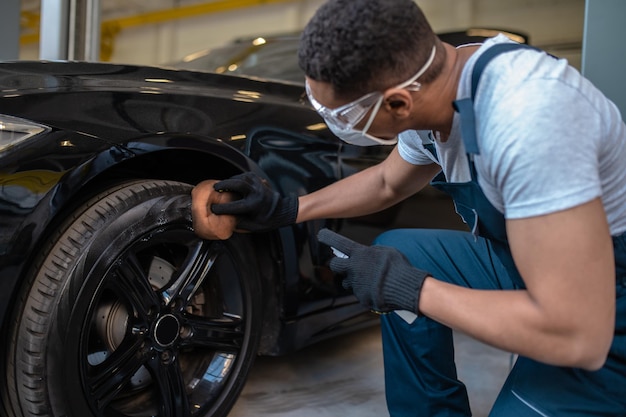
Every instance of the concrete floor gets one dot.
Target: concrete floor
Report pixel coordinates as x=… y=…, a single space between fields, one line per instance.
x=344 y=377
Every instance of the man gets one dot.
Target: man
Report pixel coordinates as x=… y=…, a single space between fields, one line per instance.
x=536 y=171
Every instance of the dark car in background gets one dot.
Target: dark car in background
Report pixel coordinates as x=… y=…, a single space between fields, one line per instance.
x=110 y=304
x=275 y=57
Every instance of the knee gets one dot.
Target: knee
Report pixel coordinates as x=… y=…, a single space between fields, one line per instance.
x=402 y=238
x=413 y=243
x=424 y=248
x=389 y=238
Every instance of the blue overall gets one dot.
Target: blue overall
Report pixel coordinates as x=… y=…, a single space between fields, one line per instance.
x=420 y=374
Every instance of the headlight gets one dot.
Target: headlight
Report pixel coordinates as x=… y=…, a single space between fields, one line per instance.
x=14 y=131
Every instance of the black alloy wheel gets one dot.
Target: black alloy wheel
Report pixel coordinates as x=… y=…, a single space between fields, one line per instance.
x=128 y=313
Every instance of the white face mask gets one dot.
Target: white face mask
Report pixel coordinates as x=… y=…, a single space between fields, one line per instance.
x=359 y=137
x=341 y=121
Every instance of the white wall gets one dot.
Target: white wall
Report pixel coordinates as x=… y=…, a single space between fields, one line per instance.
x=546 y=21
x=603 y=44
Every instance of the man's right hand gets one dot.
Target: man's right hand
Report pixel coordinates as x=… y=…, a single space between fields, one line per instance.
x=206 y=224
x=259 y=208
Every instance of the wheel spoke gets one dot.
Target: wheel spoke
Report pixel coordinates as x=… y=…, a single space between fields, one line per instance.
x=193 y=272
x=133 y=285
x=111 y=376
x=224 y=334
x=171 y=387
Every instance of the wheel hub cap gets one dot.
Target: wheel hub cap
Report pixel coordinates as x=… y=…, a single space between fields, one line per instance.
x=166 y=330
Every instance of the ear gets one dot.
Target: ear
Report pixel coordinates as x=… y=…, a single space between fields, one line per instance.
x=398 y=102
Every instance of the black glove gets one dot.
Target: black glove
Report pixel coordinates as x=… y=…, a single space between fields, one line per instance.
x=381 y=277
x=260 y=208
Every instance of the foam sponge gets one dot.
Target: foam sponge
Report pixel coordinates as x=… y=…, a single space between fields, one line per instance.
x=216 y=227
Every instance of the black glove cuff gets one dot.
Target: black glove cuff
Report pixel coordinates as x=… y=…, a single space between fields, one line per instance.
x=284 y=214
x=403 y=292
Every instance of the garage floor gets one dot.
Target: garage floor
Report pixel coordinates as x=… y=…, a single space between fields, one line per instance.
x=344 y=377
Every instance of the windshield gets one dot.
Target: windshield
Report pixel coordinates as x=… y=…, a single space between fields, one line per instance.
x=273 y=59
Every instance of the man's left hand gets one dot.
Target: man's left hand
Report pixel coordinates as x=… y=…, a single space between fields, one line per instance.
x=381 y=277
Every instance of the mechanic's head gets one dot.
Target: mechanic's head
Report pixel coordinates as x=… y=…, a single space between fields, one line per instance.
x=360 y=46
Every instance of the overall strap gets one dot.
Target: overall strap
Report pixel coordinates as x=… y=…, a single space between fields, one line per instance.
x=465 y=106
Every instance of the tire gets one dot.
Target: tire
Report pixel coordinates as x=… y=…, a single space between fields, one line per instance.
x=128 y=313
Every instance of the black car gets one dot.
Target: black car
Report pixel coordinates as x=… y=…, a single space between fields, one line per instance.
x=110 y=304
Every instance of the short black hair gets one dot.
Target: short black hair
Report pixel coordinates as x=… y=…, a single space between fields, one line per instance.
x=359 y=46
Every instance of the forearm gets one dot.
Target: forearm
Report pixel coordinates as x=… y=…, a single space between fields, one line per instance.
x=350 y=197
x=367 y=191
x=515 y=322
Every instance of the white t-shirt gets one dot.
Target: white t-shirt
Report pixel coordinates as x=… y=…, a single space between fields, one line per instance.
x=548 y=139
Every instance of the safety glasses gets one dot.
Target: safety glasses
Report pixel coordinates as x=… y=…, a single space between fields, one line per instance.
x=348 y=115
x=345 y=117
